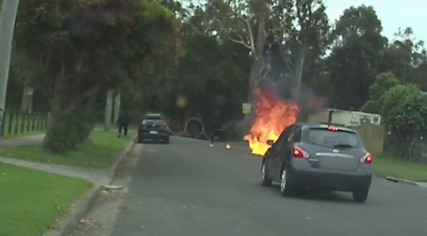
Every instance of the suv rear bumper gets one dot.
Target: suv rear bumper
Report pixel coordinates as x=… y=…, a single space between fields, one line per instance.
x=149 y=134
x=333 y=179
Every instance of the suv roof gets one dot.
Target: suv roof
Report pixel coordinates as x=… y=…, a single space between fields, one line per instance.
x=153 y=114
x=325 y=126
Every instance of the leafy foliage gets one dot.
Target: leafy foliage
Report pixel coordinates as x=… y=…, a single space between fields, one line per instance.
x=353 y=62
x=155 y=51
x=404 y=110
x=383 y=82
x=86 y=47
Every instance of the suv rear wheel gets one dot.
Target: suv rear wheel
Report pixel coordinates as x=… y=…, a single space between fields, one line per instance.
x=287 y=187
x=265 y=181
x=166 y=140
x=360 y=195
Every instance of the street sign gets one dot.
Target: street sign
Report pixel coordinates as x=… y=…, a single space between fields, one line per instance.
x=246 y=108
x=181 y=101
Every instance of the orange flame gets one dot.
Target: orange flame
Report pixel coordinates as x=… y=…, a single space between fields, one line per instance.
x=272 y=115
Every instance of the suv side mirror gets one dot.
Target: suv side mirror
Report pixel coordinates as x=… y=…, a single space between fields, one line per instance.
x=270 y=142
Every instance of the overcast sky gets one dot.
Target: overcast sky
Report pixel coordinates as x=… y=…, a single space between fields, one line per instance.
x=392 y=13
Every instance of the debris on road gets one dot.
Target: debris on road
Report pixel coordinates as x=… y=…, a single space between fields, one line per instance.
x=111 y=187
x=86 y=225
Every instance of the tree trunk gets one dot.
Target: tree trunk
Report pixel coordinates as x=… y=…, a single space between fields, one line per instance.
x=70 y=122
x=116 y=107
x=297 y=93
x=253 y=81
x=253 y=78
x=108 y=111
x=27 y=97
x=257 y=58
x=298 y=72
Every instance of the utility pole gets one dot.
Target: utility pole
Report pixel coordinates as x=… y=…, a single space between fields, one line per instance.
x=108 y=111
x=7 y=25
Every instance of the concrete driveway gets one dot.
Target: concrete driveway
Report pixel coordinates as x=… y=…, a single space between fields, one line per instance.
x=187 y=188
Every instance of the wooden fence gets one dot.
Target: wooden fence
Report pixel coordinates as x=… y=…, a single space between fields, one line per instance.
x=17 y=123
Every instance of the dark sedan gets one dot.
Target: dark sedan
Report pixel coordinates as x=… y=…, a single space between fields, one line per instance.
x=320 y=157
x=153 y=128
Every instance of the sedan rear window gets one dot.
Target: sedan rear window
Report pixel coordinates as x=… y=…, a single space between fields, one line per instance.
x=333 y=139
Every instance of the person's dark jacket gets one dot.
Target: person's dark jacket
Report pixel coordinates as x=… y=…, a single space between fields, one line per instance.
x=124 y=119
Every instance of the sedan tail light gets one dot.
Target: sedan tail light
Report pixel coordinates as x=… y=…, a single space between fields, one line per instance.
x=367 y=158
x=299 y=153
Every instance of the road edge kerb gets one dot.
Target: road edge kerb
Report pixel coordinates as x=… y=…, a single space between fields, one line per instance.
x=123 y=155
x=399 y=180
x=71 y=220
x=78 y=211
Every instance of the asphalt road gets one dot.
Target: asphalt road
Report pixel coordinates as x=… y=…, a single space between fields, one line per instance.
x=189 y=189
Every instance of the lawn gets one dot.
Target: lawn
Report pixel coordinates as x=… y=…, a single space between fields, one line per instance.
x=399 y=168
x=101 y=151
x=32 y=201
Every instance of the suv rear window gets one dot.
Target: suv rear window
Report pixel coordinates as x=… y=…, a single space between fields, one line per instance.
x=152 y=117
x=333 y=139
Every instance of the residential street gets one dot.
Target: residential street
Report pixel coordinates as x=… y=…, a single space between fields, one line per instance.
x=187 y=188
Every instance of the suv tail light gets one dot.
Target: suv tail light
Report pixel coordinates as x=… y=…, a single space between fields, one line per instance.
x=299 y=153
x=332 y=128
x=367 y=158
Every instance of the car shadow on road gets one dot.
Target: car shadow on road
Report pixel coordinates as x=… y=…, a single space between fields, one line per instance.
x=315 y=195
x=152 y=143
x=338 y=197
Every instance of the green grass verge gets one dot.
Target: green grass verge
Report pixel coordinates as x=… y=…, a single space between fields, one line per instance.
x=114 y=127
x=101 y=151
x=32 y=201
x=400 y=168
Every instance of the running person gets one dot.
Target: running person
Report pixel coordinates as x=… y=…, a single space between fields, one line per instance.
x=123 y=123
x=216 y=132
x=222 y=134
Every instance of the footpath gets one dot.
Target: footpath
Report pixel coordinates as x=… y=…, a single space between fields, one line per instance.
x=100 y=178
x=96 y=176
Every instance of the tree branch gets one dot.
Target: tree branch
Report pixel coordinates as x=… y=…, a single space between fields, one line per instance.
x=251 y=36
x=80 y=62
x=288 y=62
x=241 y=41
x=86 y=96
